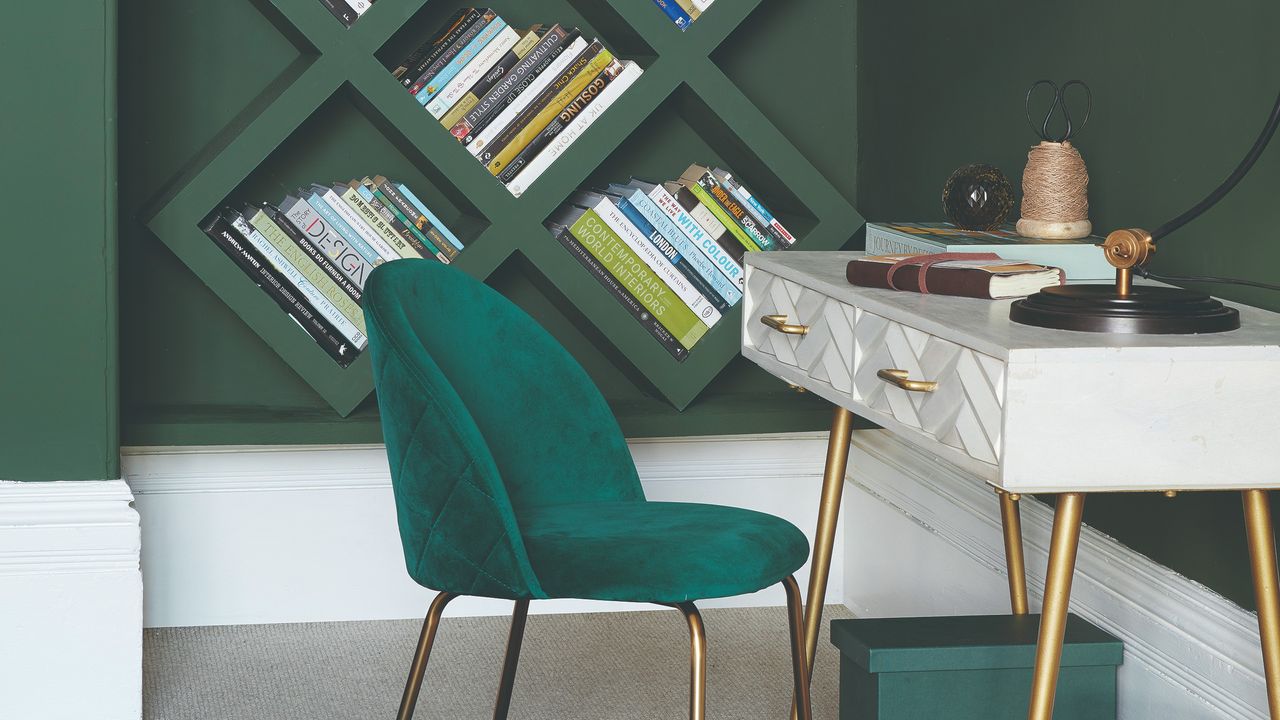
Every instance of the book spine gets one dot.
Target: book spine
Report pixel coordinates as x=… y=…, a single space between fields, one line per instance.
x=318 y=233
x=357 y=225
x=428 y=246
x=763 y=217
x=625 y=298
x=618 y=223
x=522 y=76
x=539 y=113
x=253 y=265
x=298 y=239
x=438 y=83
x=636 y=277
x=452 y=51
x=703 y=5
x=884 y=242
x=398 y=223
x=559 y=121
x=702 y=239
x=673 y=255
x=708 y=220
x=374 y=222
x=305 y=266
x=417 y=65
x=340 y=226
x=482 y=87
x=700 y=261
x=560 y=72
x=340 y=10
x=734 y=228
x=431 y=218
x=673 y=11
x=557 y=147
x=415 y=219
x=736 y=212
x=690 y=9
x=469 y=75
x=318 y=301
x=360 y=6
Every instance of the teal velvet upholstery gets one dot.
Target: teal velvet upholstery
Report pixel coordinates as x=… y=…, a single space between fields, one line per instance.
x=511 y=476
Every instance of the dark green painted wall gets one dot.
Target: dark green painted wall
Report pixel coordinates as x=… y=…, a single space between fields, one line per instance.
x=1180 y=92
x=58 y=378
x=194 y=374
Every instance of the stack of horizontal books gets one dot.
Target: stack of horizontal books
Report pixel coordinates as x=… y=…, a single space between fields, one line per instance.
x=517 y=99
x=347 y=11
x=312 y=253
x=683 y=12
x=670 y=253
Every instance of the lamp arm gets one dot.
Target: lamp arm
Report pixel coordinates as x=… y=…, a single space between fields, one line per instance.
x=1241 y=170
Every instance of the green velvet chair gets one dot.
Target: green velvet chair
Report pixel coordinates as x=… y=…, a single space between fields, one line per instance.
x=512 y=479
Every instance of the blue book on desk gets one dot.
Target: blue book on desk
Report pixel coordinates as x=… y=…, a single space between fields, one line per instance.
x=1079 y=259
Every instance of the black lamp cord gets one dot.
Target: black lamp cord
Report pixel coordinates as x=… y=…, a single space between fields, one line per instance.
x=1268 y=131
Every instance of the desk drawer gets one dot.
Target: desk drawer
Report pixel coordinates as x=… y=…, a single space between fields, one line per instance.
x=964 y=407
x=825 y=349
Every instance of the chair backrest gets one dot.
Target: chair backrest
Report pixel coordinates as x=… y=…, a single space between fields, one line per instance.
x=483 y=414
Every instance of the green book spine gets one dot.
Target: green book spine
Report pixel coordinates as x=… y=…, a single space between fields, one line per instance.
x=631 y=271
x=375 y=221
x=422 y=238
x=705 y=198
x=309 y=269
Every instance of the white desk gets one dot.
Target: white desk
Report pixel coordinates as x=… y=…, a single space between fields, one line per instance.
x=1030 y=410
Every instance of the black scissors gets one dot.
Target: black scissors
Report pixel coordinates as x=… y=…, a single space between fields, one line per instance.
x=1059 y=101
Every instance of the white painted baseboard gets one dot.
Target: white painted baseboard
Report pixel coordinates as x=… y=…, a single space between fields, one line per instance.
x=303 y=534
x=1189 y=653
x=70 y=602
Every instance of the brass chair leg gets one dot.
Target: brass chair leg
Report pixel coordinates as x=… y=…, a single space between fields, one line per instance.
x=1262 y=556
x=799 y=662
x=514 y=640
x=697 y=661
x=1011 y=521
x=1057 y=596
x=419 y=667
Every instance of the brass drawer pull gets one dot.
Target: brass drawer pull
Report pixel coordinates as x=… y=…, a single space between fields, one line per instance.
x=779 y=323
x=899 y=378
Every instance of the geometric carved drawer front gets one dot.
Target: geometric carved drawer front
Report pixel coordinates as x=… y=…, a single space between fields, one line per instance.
x=825 y=353
x=964 y=411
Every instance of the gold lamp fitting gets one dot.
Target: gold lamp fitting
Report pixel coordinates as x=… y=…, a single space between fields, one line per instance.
x=1125 y=250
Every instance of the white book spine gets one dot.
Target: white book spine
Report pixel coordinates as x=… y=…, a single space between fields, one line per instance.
x=360 y=6
x=310 y=291
x=334 y=246
x=708 y=220
x=657 y=262
x=704 y=241
x=474 y=70
x=358 y=224
x=552 y=152
x=545 y=78
x=702 y=5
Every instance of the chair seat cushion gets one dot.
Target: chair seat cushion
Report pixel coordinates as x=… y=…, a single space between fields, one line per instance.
x=660 y=552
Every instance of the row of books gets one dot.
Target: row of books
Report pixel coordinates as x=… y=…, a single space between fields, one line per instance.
x=671 y=253
x=517 y=99
x=347 y=11
x=313 y=251
x=1078 y=258
x=683 y=12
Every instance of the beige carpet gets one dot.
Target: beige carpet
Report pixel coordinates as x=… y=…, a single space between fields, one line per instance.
x=615 y=666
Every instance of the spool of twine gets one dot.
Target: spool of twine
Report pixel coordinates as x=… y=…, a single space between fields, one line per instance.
x=1055 y=193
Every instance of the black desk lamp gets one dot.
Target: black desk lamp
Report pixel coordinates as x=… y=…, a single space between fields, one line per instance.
x=1129 y=308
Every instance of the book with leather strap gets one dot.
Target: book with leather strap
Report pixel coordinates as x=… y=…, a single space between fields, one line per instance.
x=976 y=275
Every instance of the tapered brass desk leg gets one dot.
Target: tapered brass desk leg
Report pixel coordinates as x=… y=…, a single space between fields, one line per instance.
x=1011 y=520
x=825 y=537
x=1057 y=596
x=1262 y=554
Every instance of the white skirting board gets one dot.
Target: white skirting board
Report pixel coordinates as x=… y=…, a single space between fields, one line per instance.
x=70 y=602
x=305 y=534
x=923 y=538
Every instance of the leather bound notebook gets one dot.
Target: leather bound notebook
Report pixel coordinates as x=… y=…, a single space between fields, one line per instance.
x=976 y=275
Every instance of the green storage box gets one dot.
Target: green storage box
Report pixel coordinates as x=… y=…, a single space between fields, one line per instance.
x=968 y=668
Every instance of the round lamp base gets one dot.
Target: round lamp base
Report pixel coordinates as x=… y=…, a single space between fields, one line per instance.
x=1146 y=310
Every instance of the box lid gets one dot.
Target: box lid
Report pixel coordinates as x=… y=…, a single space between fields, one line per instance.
x=983 y=642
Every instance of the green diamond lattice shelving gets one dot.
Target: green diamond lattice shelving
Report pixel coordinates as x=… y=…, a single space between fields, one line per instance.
x=336 y=107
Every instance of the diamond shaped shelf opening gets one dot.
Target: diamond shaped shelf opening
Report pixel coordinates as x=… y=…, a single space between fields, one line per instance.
x=337 y=112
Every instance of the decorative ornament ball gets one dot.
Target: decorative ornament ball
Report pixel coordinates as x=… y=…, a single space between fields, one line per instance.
x=977 y=197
